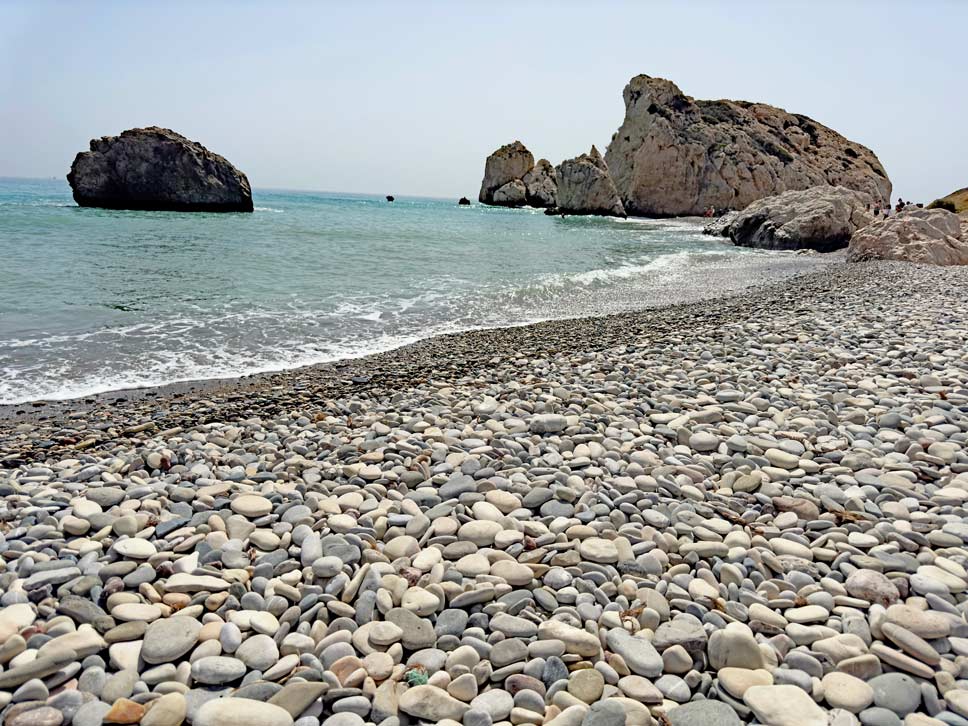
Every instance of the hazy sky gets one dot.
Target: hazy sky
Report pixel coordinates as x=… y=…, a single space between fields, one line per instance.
x=407 y=98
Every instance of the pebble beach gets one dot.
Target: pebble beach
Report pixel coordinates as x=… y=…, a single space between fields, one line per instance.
x=746 y=510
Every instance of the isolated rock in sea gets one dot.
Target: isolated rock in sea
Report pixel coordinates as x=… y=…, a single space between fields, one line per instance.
x=157 y=169
x=820 y=218
x=509 y=163
x=585 y=187
x=674 y=155
x=540 y=185
x=927 y=236
x=464 y=202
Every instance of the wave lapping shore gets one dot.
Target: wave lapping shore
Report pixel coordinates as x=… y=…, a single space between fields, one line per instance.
x=749 y=509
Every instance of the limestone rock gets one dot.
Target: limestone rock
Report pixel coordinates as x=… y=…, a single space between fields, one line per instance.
x=674 y=155
x=821 y=218
x=541 y=185
x=926 y=236
x=157 y=169
x=719 y=226
x=510 y=162
x=431 y=704
x=512 y=194
x=585 y=187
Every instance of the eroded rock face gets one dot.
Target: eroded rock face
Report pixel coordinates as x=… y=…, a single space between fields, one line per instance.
x=157 y=169
x=585 y=187
x=820 y=218
x=510 y=162
x=674 y=155
x=512 y=194
x=926 y=236
x=512 y=179
x=541 y=186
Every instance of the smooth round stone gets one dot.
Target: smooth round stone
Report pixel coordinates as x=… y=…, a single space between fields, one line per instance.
x=384 y=633
x=264 y=622
x=257 y=652
x=135 y=548
x=497 y=703
x=842 y=690
x=251 y=505
x=703 y=442
x=43 y=716
x=586 y=685
x=595 y=549
x=230 y=637
x=169 y=710
x=640 y=689
x=807 y=614
x=737 y=681
x=378 y=666
x=328 y=566
x=168 y=639
x=896 y=692
x=481 y=533
x=217 y=669
x=240 y=712
x=136 y=611
x=703 y=713
x=784 y=706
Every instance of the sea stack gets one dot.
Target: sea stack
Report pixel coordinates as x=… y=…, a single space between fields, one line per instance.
x=512 y=179
x=676 y=156
x=585 y=187
x=157 y=169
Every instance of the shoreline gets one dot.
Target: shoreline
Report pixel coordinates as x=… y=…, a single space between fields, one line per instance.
x=85 y=423
x=719 y=282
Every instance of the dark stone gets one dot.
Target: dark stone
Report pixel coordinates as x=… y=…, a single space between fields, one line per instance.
x=157 y=169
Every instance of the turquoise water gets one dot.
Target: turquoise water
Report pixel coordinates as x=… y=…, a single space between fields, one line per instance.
x=94 y=300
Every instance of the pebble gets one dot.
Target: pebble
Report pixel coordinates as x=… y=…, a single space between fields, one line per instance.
x=573 y=529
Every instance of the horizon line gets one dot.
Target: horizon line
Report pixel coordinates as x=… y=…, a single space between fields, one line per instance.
x=268 y=189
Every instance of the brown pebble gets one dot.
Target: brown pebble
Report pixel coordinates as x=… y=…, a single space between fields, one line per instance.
x=124 y=711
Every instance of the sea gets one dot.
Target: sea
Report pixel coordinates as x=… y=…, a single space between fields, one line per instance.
x=99 y=300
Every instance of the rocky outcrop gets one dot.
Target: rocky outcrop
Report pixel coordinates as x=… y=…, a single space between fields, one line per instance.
x=820 y=218
x=585 y=187
x=512 y=179
x=509 y=163
x=157 y=169
x=540 y=185
x=512 y=194
x=926 y=236
x=674 y=155
x=719 y=226
x=464 y=202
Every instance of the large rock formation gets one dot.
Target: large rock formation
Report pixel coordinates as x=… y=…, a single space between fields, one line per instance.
x=512 y=194
x=927 y=236
x=820 y=218
x=155 y=168
x=674 y=155
x=585 y=187
x=509 y=163
x=512 y=179
x=541 y=186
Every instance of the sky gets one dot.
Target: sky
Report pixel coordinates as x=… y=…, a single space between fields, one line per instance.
x=409 y=98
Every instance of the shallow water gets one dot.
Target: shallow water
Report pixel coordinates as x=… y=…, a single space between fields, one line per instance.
x=95 y=300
